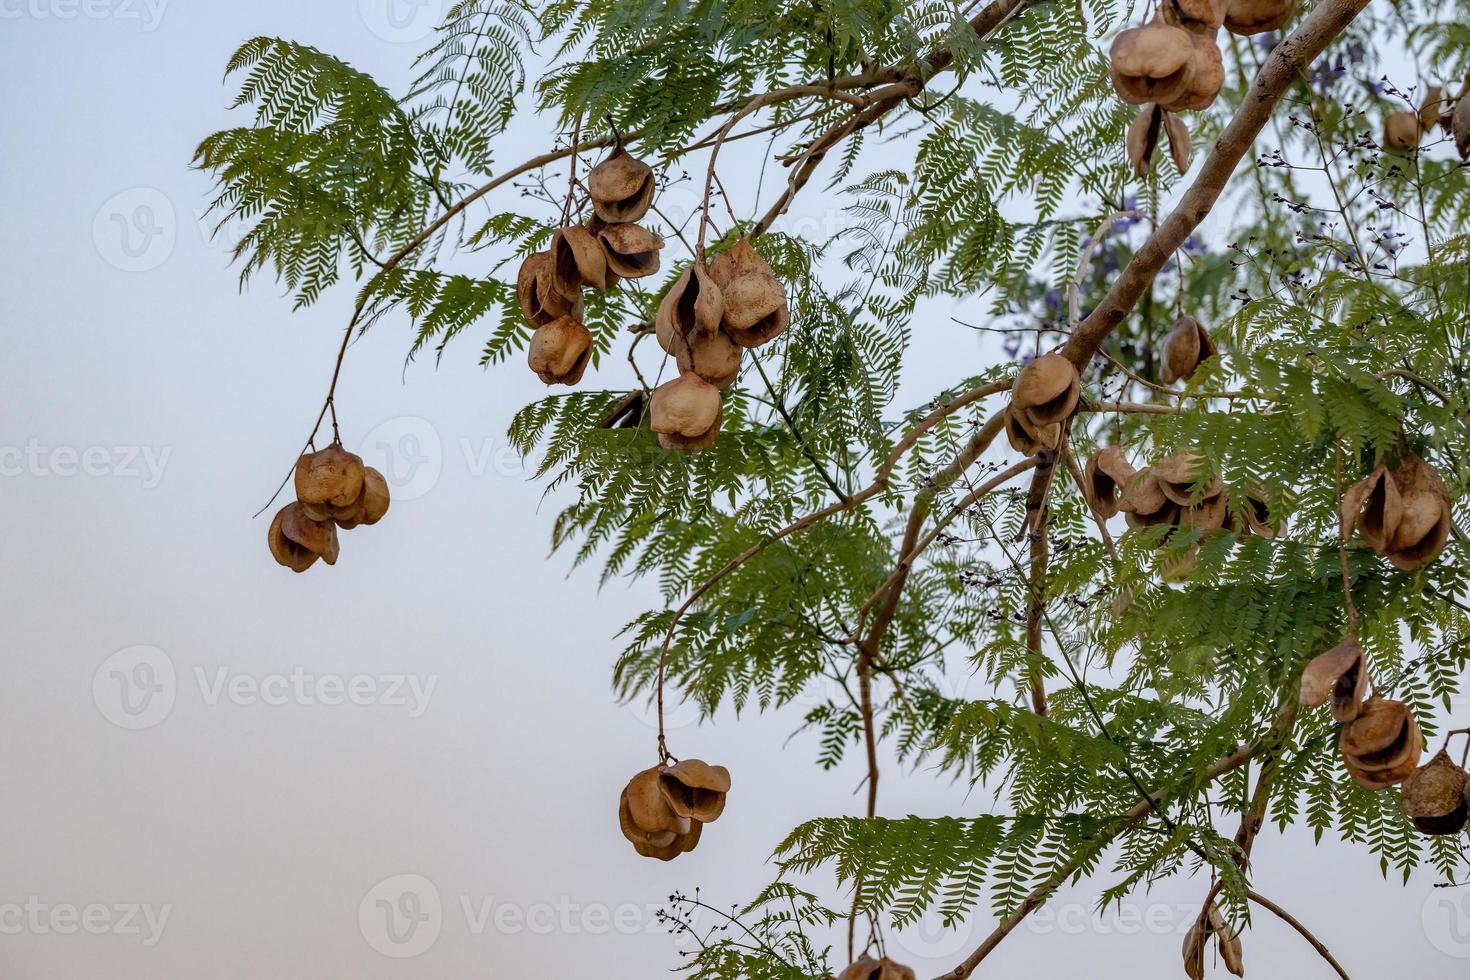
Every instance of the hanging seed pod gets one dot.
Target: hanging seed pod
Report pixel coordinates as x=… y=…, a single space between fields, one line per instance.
x=1424 y=523
x=317 y=537
x=631 y=250
x=1208 y=514
x=1434 y=797
x=539 y=300
x=1206 y=77
x=1372 y=507
x=621 y=188
x=868 y=968
x=694 y=302
x=577 y=260
x=1178 y=476
x=1107 y=473
x=1431 y=108
x=1381 y=747
x=560 y=351
x=332 y=476
x=710 y=354
x=686 y=413
x=1030 y=439
x=1047 y=390
x=1259 y=519
x=1152 y=63
x=1401 y=131
x=756 y=309
x=1143 y=138
x=1185 y=349
x=1181 y=149
x=1195 y=16
x=1340 y=674
x=1212 y=924
x=695 y=789
x=649 y=824
x=1248 y=17
x=285 y=551
x=1145 y=503
x=1460 y=124
x=369 y=507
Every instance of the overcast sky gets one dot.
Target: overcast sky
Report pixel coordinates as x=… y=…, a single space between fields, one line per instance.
x=406 y=766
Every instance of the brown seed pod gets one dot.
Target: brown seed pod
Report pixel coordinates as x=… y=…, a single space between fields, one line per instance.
x=695 y=789
x=560 y=351
x=1424 y=523
x=1188 y=345
x=285 y=551
x=1208 y=514
x=1145 y=503
x=1107 y=473
x=1207 y=75
x=868 y=968
x=1152 y=63
x=1431 y=108
x=1047 y=390
x=539 y=300
x=693 y=302
x=1401 y=131
x=1195 y=943
x=332 y=477
x=1027 y=438
x=621 y=188
x=648 y=822
x=375 y=496
x=1340 y=674
x=1372 y=507
x=1143 y=138
x=1248 y=17
x=710 y=354
x=631 y=250
x=756 y=309
x=1195 y=16
x=686 y=413
x=577 y=260
x=1259 y=519
x=317 y=537
x=1381 y=747
x=1181 y=149
x=1460 y=125
x=1179 y=474
x=1434 y=797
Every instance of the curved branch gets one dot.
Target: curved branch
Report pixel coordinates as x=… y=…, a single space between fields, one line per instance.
x=1306 y=933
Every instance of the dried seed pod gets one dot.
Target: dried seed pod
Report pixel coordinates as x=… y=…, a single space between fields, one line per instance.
x=1195 y=16
x=539 y=300
x=1179 y=474
x=1181 y=149
x=1248 y=17
x=560 y=351
x=317 y=537
x=1207 y=76
x=285 y=551
x=695 y=789
x=868 y=968
x=1107 y=473
x=648 y=822
x=631 y=250
x=1188 y=345
x=1208 y=514
x=1381 y=747
x=1372 y=507
x=686 y=413
x=1401 y=131
x=1143 y=138
x=1213 y=924
x=756 y=309
x=1145 y=503
x=1259 y=518
x=332 y=477
x=1460 y=125
x=694 y=302
x=621 y=188
x=1424 y=522
x=1152 y=63
x=375 y=496
x=1340 y=674
x=712 y=355
x=1027 y=438
x=577 y=260
x=1047 y=390
x=1434 y=798
x=1431 y=108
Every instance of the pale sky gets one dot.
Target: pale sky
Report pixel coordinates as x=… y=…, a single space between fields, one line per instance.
x=191 y=792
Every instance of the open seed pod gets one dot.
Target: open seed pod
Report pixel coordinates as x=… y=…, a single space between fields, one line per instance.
x=631 y=250
x=1340 y=674
x=368 y=508
x=1195 y=16
x=1197 y=940
x=1152 y=63
x=560 y=351
x=1047 y=390
x=1460 y=125
x=695 y=789
x=577 y=260
x=1247 y=17
x=332 y=476
x=1144 y=502
x=1208 y=514
x=648 y=822
x=621 y=187
x=1107 y=473
x=1027 y=438
x=693 y=302
x=686 y=413
x=1186 y=347
x=1373 y=508
x=1259 y=519
x=710 y=354
x=756 y=309
x=1206 y=77
x=1143 y=138
x=868 y=968
x=539 y=300
x=1381 y=747
x=1178 y=475
x=1434 y=797
x=1401 y=131
x=1424 y=524
x=285 y=551
x=317 y=537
